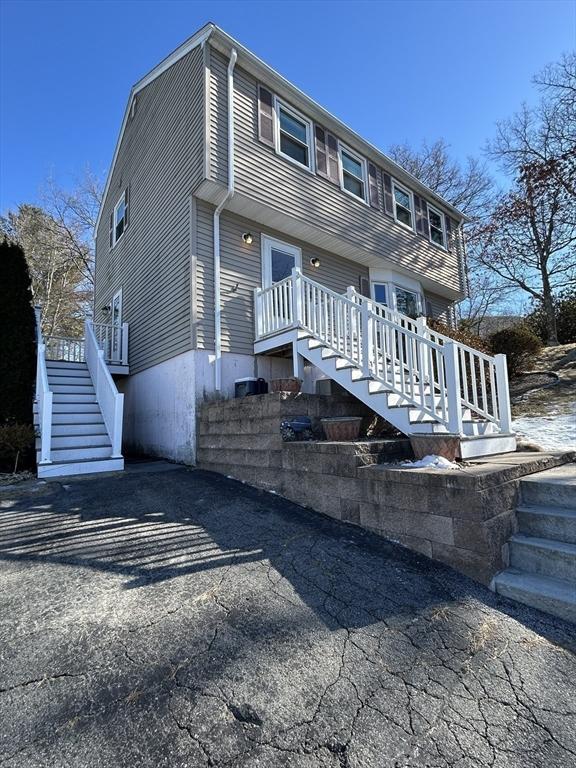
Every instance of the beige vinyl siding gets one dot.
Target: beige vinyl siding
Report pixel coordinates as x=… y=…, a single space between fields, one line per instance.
x=439 y=306
x=241 y=272
x=266 y=177
x=161 y=160
x=218 y=133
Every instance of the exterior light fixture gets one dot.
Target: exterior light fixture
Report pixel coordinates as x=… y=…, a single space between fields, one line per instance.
x=314 y=262
x=105 y=308
x=247 y=237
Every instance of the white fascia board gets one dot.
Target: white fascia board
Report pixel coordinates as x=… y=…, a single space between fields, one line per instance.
x=199 y=38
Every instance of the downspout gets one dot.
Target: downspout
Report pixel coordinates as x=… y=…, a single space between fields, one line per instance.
x=227 y=196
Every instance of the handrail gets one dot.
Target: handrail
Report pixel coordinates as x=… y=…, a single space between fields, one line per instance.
x=43 y=396
x=429 y=371
x=111 y=401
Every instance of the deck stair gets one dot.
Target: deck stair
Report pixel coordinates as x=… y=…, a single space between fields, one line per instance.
x=542 y=570
x=420 y=381
x=77 y=410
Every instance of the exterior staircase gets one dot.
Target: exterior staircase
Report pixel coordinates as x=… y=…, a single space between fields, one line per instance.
x=420 y=381
x=80 y=441
x=542 y=570
x=77 y=408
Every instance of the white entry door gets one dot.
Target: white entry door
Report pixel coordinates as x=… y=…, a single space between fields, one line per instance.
x=116 y=346
x=278 y=260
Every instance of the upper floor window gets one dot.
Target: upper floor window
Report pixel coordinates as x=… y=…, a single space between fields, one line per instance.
x=403 y=206
x=119 y=219
x=294 y=136
x=437 y=233
x=353 y=173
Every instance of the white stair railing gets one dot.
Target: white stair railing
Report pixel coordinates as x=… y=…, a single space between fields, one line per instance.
x=111 y=401
x=113 y=340
x=68 y=350
x=428 y=371
x=43 y=396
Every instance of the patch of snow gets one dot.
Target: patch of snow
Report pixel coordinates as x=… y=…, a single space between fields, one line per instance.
x=554 y=431
x=430 y=462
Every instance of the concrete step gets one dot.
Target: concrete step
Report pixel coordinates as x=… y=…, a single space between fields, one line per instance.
x=86 y=467
x=554 y=596
x=74 y=428
x=544 y=557
x=74 y=441
x=555 y=523
x=74 y=389
x=79 y=453
x=552 y=488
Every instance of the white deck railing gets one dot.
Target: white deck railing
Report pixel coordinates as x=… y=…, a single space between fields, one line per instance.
x=111 y=401
x=431 y=372
x=43 y=396
x=112 y=340
x=69 y=350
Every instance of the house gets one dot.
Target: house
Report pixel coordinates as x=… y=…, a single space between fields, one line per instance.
x=246 y=232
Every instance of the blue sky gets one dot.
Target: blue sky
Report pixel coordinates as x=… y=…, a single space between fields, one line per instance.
x=394 y=71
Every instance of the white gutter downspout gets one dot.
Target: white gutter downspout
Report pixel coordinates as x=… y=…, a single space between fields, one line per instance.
x=227 y=196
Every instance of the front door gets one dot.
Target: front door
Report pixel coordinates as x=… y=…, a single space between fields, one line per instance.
x=116 y=345
x=278 y=260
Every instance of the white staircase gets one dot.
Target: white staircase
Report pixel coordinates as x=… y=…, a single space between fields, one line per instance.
x=416 y=379
x=79 y=423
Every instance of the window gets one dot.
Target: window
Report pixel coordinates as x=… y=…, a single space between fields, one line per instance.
x=379 y=293
x=436 y=219
x=353 y=173
x=119 y=222
x=403 y=206
x=294 y=136
x=407 y=302
x=278 y=260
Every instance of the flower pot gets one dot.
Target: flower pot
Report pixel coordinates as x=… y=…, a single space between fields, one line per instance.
x=291 y=384
x=447 y=446
x=342 y=428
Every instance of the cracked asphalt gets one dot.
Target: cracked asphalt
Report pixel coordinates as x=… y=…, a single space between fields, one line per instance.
x=172 y=617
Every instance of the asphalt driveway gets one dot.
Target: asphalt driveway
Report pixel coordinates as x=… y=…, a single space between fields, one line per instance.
x=171 y=617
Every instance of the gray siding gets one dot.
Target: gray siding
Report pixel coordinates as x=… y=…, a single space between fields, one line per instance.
x=242 y=272
x=439 y=306
x=161 y=159
x=218 y=134
x=264 y=176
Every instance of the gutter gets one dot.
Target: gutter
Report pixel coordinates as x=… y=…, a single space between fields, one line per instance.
x=216 y=228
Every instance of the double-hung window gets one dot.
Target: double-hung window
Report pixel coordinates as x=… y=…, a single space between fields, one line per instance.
x=353 y=173
x=294 y=136
x=437 y=230
x=119 y=220
x=403 y=206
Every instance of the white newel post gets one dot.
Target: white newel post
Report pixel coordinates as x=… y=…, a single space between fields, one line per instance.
x=503 y=393
x=452 y=368
x=297 y=297
x=350 y=293
x=258 y=312
x=366 y=322
x=422 y=330
x=46 y=429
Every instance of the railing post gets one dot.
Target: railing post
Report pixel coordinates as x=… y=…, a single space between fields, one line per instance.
x=297 y=297
x=452 y=368
x=504 y=410
x=46 y=429
x=350 y=293
x=365 y=323
x=422 y=330
x=124 y=343
x=117 y=436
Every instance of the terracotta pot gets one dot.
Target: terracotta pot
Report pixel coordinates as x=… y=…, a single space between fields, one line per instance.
x=291 y=384
x=447 y=446
x=342 y=428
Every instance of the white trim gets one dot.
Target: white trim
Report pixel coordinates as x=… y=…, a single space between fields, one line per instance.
x=408 y=192
x=355 y=156
x=121 y=199
x=442 y=226
x=266 y=244
x=279 y=104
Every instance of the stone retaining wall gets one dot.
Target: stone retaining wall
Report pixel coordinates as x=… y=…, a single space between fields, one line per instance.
x=461 y=517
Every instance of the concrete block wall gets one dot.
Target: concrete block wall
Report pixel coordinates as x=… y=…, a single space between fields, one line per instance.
x=460 y=517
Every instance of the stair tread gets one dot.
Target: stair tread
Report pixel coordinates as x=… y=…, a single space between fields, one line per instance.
x=547 y=511
x=537 y=541
x=62 y=462
x=561 y=589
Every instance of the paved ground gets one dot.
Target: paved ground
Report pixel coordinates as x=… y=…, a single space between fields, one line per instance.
x=176 y=618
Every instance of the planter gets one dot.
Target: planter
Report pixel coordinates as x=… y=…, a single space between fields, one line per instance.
x=291 y=384
x=342 y=428
x=447 y=446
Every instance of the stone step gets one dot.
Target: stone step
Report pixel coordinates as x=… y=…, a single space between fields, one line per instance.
x=554 y=596
x=555 y=523
x=543 y=557
x=552 y=488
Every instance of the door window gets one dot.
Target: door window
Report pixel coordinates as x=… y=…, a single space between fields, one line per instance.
x=380 y=293
x=279 y=259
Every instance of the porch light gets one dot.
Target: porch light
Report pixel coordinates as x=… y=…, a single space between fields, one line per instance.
x=315 y=262
x=247 y=237
x=105 y=308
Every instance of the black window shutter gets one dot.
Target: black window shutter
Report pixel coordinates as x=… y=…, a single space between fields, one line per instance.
x=388 y=202
x=321 y=151
x=449 y=234
x=422 y=226
x=364 y=286
x=111 y=229
x=373 y=185
x=333 y=160
x=126 y=206
x=265 y=117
